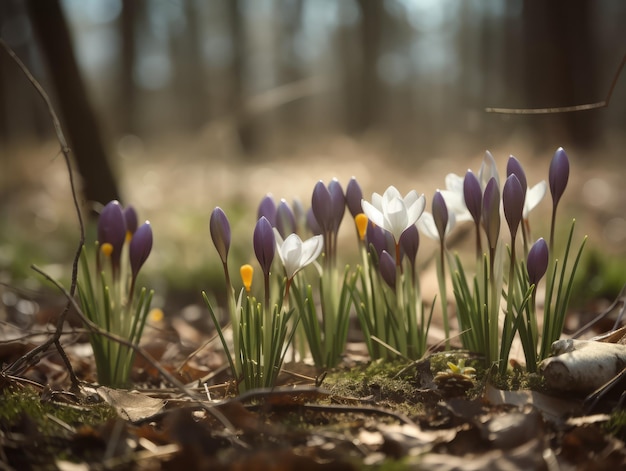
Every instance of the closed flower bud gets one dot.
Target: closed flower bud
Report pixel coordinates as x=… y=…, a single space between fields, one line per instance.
x=514 y=167
x=220 y=232
x=473 y=195
x=140 y=247
x=440 y=214
x=558 y=175
x=387 y=267
x=322 y=206
x=132 y=221
x=246 y=271
x=354 y=195
x=267 y=209
x=491 y=212
x=513 y=202
x=409 y=243
x=285 y=219
x=264 y=244
x=112 y=232
x=338 y=203
x=312 y=223
x=537 y=262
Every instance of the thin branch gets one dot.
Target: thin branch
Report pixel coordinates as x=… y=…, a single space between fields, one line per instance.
x=565 y=109
x=94 y=328
x=32 y=356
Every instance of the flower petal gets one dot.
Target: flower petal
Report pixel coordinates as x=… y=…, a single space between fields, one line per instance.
x=534 y=196
x=373 y=214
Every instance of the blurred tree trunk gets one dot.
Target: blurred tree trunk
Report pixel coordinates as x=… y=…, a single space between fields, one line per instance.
x=80 y=122
x=288 y=61
x=127 y=109
x=365 y=102
x=189 y=79
x=560 y=69
x=246 y=130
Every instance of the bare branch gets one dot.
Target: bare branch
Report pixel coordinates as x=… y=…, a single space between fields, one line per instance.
x=565 y=109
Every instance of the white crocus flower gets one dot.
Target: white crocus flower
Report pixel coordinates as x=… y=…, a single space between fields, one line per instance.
x=454 y=198
x=426 y=224
x=392 y=212
x=533 y=196
x=488 y=170
x=296 y=254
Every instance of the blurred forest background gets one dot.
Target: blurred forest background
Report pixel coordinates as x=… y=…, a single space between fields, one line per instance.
x=248 y=82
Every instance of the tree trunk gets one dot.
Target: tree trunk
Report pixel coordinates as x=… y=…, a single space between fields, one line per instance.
x=80 y=122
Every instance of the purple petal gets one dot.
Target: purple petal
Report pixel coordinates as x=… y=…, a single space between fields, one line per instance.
x=267 y=209
x=537 y=262
x=387 y=267
x=473 y=195
x=558 y=175
x=513 y=202
x=354 y=195
x=440 y=214
x=285 y=220
x=409 y=242
x=112 y=229
x=140 y=247
x=131 y=219
x=491 y=212
x=514 y=167
x=322 y=205
x=338 y=203
x=220 y=232
x=264 y=244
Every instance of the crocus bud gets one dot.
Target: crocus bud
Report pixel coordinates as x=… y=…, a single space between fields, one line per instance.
x=264 y=244
x=140 y=247
x=131 y=219
x=514 y=167
x=473 y=195
x=338 y=203
x=112 y=232
x=376 y=238
x=322 y=206
x=354 y=195
x=491 y=212
x=387 y=267
x=246 y=271
x=220 y=232
x=558 y=175
x=267 y=209
x=440 y=214
x=409 y=243
x=312 y=223
x=285 y=219
x=537 y=262
x=513 y=202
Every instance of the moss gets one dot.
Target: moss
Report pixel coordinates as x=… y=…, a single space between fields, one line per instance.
x=616 y=425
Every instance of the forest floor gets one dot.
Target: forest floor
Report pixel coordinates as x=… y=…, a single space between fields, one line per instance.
x=360 y=415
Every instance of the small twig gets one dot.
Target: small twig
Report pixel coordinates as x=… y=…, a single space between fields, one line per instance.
x=137 y=349
x=565 y=109
x=32 y=356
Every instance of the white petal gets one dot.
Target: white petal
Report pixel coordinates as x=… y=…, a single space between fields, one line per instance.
x=291 y=253
x=373 y=214
x=278 y=238
x=396 y=219
x=454 y=183
x=311 y=249
x=410 y=198
x=488 y=170
x=391 y=193
x=426 y=225
x=455 y=203
x=533 y=196
x=415 y=210
x=377 y=201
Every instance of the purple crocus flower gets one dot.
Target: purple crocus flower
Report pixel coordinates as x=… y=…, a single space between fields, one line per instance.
x=338 y=203
x=387 y=267
x=491 y=212
x=376 y=238
x=440 y=214
x=140 y=247
x=312 y=223
x=220 y=232
x=285 y=219
x=132 y=221
x=112 y=233
x=354 y=195
x=322 y=206
x=558 y=175
x=473 y=195
x=537 y=262
x=264 y=244
x=409 y=243
x=514 y=167
x=267 y=209
x=513 y=202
